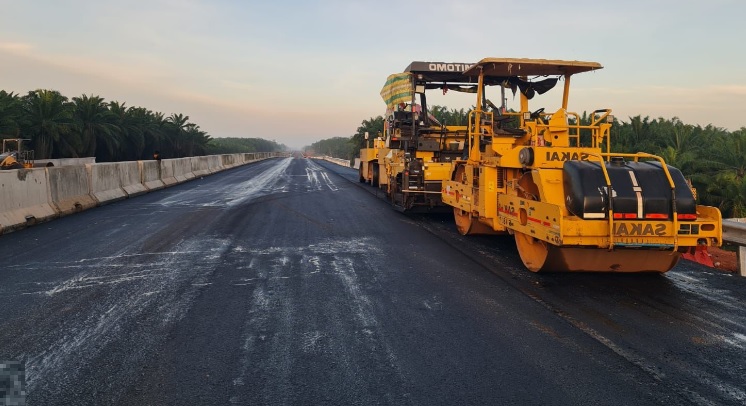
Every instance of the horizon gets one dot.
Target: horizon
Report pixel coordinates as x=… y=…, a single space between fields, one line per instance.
x=297 y=73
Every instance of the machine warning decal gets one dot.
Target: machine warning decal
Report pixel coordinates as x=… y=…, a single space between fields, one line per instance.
x=566 y=156
x=624 y=229
x=448 y=67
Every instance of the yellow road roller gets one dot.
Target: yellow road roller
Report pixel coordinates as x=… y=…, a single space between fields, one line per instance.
x=547 y=176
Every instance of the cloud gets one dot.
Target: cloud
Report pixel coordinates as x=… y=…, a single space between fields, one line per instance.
x=16 y=47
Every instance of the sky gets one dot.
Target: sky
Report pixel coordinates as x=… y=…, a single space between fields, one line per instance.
x=300 y=71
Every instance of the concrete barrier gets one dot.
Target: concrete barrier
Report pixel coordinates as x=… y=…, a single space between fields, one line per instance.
x=69 y=189
x=35 y=195
x=106 y=186
x=167 y=173
x=239 y=159
x=229 y=161
x=183 y=169
x=214 y=163
x=200 y=166
x=150 y=175
x=42 y=163
x=24 y=199
x=131 y=179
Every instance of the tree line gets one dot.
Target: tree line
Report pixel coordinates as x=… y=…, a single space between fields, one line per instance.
x=712 y=158
x=89 y=126
x=232 y=145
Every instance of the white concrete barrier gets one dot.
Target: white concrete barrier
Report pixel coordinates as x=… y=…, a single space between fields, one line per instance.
x=200 y=166
x=42 y=163
x=150 y=175
x=167 y=173
x=106 y=186
x=342 y=162
x=35 y=195
x=131 y=179
x=183 y=169
x=69 y=189
x=229 y=161
x=214 y=163
x=24 y=199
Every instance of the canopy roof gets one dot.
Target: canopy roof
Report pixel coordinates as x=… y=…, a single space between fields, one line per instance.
x=512 y=67
x=449 y=72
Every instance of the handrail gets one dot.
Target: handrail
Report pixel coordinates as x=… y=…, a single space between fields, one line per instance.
x=610 y=195
x=735 y=232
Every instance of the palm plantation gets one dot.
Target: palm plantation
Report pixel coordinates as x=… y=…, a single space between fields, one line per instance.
x=89 y=126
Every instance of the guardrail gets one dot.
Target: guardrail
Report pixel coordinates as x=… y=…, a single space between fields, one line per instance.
x=31 y=196
x=341 y=162
x=735 y=232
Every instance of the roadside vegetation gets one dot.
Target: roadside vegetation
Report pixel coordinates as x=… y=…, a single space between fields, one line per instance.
x=712 y=158
x=90 y=126
x=237 y=145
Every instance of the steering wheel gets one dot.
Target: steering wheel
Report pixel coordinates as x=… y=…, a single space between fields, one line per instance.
x=537 y=113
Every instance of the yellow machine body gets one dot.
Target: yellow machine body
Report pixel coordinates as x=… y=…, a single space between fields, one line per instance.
x=369 y=161
x=552 y=182
x=13 y=156
x=414 y=155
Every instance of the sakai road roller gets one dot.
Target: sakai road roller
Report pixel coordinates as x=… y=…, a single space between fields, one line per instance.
x=413 y=156
x=552 y=182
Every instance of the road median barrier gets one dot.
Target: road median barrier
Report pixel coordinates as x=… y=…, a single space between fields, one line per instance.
x=214 y=163
x=106 y=186
x=183 y=169
x=25 y=199
x=228 y=160
x=69 y=189
x=167 y=173
x=200 y=166
x=150 y=175
x=130 y=178
x=30 y=196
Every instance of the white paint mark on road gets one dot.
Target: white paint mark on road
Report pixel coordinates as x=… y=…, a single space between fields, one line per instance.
x=270 y=327
x=313 y=173
x=272 y=180
x=165 y=291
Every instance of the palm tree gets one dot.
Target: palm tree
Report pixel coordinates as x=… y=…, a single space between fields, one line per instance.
x=50 y=124
x=95 y=123
x=728 y=193
x=155 y=129
x=198 y=140
x=178 y=130
x=130 y=129
x=732 y=153
x=11 y=115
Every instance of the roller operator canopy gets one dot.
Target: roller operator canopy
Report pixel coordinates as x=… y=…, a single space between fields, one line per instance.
x=399 y=87
x=450 y=72
x=512 y=67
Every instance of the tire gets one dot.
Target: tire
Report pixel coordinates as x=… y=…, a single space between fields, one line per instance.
x=375 y=177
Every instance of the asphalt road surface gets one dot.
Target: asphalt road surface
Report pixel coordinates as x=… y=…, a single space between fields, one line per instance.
x=287 y=282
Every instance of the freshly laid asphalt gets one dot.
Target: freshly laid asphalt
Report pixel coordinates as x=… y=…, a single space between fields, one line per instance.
x=287 y=282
